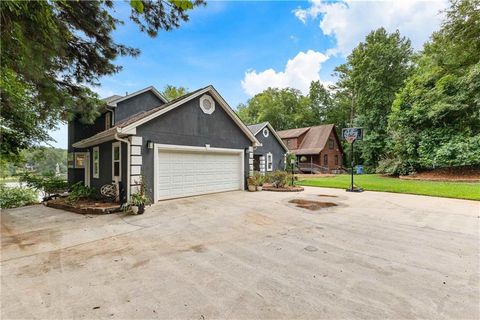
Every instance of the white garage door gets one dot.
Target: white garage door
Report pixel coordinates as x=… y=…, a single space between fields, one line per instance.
x=186 y=173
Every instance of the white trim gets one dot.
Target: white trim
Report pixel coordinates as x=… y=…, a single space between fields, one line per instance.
x=216 y=95
x=265 y=132
x=267 y=124
x=269 y=161
x=170 y=147
x=87 y=169
x=151 y=88
x=96 y=150
x=209 y=99
x=119 y=145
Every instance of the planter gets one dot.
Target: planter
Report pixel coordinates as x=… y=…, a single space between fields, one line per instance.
x=251 y=188
x=259 y=188
x=134 y=209
x=141 y=209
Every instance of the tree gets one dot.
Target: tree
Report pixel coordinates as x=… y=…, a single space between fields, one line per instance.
x=171 y=92
x=53 y=51
x=283 y=108
x=374 y=72
x=435 y=119
x=321 y=102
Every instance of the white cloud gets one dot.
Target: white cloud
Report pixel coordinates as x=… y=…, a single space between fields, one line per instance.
x=299 y=72
x=350 y=21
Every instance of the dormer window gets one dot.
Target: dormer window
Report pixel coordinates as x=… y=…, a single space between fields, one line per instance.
x=331 y=144
x=108 y=120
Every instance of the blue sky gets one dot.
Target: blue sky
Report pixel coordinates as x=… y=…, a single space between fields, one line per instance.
x=242 y=48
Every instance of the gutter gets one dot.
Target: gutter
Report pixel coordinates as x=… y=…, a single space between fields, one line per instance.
x=116 y=137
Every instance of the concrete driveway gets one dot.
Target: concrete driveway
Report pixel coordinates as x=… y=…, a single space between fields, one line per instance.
x=247 y=255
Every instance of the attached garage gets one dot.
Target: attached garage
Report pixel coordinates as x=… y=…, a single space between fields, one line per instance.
x=182 y=171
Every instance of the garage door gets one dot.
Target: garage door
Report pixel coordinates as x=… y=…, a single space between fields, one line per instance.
x=186 y=173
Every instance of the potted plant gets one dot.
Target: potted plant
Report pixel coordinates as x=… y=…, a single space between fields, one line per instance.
x=139 y=200
x=251 y=184
x=259 y=180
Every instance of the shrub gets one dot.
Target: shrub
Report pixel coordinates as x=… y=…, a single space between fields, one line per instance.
x=79 y=191
x=16 y=197
x=258 y=178
x=47 y=184
x=278 y=179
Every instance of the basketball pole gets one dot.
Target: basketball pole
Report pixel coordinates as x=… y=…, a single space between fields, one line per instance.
x=351 y=164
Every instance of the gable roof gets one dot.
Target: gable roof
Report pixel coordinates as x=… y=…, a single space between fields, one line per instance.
x=113 y=100
x=315 y=139
x=129 y=125
x=256 y=128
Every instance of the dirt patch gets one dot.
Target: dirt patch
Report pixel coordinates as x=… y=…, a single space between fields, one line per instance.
x=327 y=195
x=30 y=238
x=312 y=205
x=458 y=174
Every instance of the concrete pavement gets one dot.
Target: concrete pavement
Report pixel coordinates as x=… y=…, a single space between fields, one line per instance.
x=246 y=255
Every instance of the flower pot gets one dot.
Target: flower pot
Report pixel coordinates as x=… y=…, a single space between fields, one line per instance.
x=141 y=209
x=259 y=188
x=251 y=188
x=134 y=209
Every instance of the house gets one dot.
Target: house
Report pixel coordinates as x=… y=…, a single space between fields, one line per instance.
x=271 y=155
x=193 y=145
x=318 y=148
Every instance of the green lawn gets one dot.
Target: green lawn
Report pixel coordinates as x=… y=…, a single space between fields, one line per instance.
x=375 y=182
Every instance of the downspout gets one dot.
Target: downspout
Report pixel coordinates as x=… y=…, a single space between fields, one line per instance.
x=128 y=162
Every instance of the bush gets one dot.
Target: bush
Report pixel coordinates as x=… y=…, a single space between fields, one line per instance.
x=47 y=184
x=278 y=179
x=16 y=197
x=258 y=178
x=78 y=192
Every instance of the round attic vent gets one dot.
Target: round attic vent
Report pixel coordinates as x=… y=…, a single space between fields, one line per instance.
x=265 y=132
x=207 y=104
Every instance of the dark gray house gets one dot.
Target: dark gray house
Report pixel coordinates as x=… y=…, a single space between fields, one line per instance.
x=193 y=145
x=272 y=152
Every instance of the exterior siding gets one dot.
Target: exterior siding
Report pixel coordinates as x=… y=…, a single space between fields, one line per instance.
x=331 y=153
x=271 y=144
x=136 y=104
x=188 y=125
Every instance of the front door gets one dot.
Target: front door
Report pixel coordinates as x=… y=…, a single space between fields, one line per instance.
x=87 y=169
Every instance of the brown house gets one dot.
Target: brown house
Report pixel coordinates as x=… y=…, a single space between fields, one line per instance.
x=318 y=148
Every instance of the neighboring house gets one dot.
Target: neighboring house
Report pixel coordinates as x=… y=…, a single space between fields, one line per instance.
x=271 y=154
x=192 y=145
x=318 y=148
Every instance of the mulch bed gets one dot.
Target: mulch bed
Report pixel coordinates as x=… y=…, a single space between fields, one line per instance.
x=85 y=206
x=284 y=189
x=456 y=174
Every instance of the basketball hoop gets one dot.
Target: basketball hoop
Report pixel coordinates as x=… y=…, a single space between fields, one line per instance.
x=351 y=139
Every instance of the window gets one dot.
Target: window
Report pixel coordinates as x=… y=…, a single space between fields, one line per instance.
x=336 y=159
x=79 y=159
x=325 y=160
x=96 y=162
x=331 y=144
x=265 y=132
x=288 y=143
x=207 y=104
x=116 y=161
x=70 y=162
x=108 y=120
x=269 y=162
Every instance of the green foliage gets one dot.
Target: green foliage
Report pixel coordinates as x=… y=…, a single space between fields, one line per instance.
x=16 y=197
x=288 y=164
x=140 y=198
x=48 y=184
x=79 y=192
x=44 y=160
x=278 y=178
x=375 y=70
x=171 y=92
x=374 y=182
x=258 y=178
x=52 y=51
x=435 y=118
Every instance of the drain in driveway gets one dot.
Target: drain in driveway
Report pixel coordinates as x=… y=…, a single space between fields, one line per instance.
x=312 y=205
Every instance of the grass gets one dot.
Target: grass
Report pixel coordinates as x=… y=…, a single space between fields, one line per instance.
x=375 y=182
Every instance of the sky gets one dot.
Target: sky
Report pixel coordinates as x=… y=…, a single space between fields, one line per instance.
x=244 y=47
